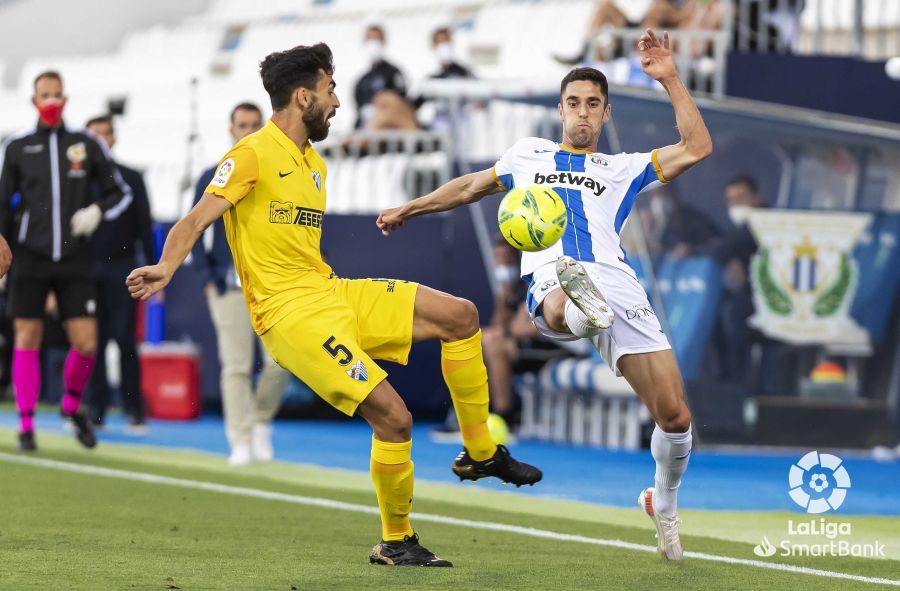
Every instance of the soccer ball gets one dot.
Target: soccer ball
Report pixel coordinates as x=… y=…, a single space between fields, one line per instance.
x=498 y=428
x=532 y=218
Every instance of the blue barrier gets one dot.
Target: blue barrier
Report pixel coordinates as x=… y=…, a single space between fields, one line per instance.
x=155 y=310
x=878 y=257
x=690 y=290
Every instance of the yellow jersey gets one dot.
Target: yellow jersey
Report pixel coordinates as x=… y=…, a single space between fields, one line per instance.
x=275 y=225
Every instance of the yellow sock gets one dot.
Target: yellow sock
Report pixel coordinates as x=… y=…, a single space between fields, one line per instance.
x=466 y=377
x=392 y=473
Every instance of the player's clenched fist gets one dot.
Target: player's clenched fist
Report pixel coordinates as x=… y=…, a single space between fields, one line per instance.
x=146 y=281
x=389 y=220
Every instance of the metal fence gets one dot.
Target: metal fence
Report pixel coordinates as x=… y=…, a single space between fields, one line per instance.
x=700 y=54
x=865 y=28
x=369 y=171
x=868 y=29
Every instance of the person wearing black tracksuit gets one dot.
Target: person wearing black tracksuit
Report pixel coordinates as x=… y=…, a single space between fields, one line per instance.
x=115 y=250
x=52 y=168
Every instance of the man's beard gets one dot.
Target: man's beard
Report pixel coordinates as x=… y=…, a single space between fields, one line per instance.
x=582 y=138
x=316 y=123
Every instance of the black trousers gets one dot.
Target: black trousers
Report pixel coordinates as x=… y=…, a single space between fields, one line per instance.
x=116 y=313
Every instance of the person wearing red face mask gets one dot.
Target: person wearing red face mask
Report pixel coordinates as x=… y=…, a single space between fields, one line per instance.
x=53 y=168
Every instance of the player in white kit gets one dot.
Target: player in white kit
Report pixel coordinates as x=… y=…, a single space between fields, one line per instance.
x=583 y=286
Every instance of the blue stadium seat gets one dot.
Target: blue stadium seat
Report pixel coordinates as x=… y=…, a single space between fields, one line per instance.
x=878 y=258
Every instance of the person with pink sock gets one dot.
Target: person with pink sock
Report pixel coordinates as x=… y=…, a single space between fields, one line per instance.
x=53 y=168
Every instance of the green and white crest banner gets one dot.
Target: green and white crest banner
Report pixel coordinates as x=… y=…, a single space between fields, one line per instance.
x=804 y=276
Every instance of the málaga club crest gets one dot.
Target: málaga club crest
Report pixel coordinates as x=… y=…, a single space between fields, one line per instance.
x=804 y=276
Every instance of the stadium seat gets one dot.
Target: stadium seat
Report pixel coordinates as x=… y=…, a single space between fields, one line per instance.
x=581 y=401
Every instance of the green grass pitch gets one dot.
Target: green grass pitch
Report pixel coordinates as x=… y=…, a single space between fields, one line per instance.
x=64 y=530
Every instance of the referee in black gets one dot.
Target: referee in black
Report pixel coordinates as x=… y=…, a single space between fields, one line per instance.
x=115 y=248
x=52 y=168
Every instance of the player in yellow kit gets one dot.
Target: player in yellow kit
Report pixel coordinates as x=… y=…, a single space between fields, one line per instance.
x=270 y=188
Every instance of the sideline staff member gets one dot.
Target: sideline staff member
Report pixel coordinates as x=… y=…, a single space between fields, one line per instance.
x=52 y=168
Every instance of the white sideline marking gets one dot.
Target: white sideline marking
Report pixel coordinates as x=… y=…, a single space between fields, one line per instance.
x=485 y=525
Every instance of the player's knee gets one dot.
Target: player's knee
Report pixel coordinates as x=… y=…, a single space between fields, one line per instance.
x=554 y=313
x=28 y=334
x=236 y=371
x=28 y=340
x=676 y=421
x=399 y=423
x=86 y=348
x=464 y=323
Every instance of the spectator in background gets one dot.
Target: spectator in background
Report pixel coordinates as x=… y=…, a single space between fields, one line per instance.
x=622 y=63
x=442 y=44
x=115 y=246
x=675 y=228
x=770 y=25
x=738 y=246
x=664 y=14
x=437 y=118
x=52 y=168
x=248 y=419
x=501 y=339
x=381 y=93
x=383 y=80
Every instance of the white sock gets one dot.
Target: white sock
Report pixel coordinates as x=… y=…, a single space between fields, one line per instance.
x=578 y=323
x=671 y=452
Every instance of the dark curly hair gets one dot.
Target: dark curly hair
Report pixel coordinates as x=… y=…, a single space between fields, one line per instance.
x=283 y=72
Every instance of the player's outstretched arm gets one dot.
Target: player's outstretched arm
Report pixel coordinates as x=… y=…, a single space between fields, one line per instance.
x=459 y=191
x=146 y=281
x=695 y=144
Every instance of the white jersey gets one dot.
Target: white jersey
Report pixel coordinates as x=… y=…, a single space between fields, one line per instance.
x=598 y=191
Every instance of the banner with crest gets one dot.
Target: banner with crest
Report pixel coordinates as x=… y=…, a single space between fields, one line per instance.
x=804 y=276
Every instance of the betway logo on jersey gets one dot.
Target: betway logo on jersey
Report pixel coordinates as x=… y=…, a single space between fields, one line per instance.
x=570 y=178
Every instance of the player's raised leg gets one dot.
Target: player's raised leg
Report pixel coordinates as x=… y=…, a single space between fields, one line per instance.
x=454 y=321
x=583 y=311
x=656 y=379
x=392 y=474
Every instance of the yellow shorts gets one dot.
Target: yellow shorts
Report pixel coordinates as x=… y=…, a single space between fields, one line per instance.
x=330 y=344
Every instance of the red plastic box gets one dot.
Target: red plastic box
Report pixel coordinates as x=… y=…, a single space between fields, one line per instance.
x=170 y=380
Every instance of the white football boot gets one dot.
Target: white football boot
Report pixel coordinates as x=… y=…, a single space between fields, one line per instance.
x=262 y=442
x=584 y=293
x=241 y=455
x=668 y=542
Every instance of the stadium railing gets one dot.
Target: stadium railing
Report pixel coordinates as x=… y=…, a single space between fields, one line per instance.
x=373 y=170
x=581 y=401
x=862 y=28
x=700 y=55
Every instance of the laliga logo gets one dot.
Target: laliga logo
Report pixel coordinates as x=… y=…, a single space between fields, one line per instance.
x=819 y=482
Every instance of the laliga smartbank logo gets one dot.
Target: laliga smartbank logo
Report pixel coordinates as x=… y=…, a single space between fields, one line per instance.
x=818 y=483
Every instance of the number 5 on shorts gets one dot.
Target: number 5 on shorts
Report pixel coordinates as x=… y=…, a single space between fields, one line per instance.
x=335 y=350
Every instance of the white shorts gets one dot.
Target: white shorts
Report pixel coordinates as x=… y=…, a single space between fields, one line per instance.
x=636 y=328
